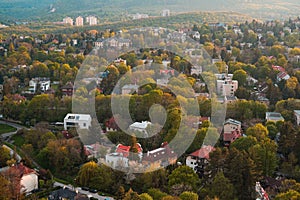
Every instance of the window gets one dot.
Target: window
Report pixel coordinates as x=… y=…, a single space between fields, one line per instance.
x=84 y=124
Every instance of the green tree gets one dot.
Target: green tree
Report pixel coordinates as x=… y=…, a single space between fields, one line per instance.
x=4 y=156
x=291 y=194
x=185 y=176
x=188 y=196
x=221 y=187
x=259 y=131
x=145 y=196
x=120 y=194
x=156 y=194
x=240 y=76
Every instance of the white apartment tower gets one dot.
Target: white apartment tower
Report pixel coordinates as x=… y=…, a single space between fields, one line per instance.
x=68 y=20
x=91 y=20
x=79 y=21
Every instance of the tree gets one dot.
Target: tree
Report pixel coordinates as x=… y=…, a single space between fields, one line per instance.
x=4 y=156
x=145 y=196
x=156 y=194
x=120 y=194
x=5 y=193
x=241 y=171
x=188 y=196
x=291 y=194
x=259 y=131
x=240 y=76
x=87 y=172
x=264 y=156
x=221 y=187
x=244 y=143
x=184 y=176
x=131 y=195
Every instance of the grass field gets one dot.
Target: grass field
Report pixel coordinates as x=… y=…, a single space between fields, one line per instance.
x=4 y=128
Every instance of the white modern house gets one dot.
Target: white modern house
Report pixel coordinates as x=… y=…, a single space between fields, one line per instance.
x=116 y=160
x=140 y=126
x=81 y=121
x=42 y=83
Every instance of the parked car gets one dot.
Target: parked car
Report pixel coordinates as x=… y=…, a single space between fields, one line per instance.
x=85 y=188
x=93 y=190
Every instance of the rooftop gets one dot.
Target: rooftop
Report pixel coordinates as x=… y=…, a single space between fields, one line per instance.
x=203 y=152
x=232 y=121
x=274 y=116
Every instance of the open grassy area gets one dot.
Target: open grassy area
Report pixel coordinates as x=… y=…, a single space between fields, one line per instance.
x=4 y=128
x=18 y=140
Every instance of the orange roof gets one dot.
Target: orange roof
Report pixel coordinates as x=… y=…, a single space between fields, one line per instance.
x=203 y=152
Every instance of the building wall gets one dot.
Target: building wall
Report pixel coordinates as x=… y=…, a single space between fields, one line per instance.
x=228 y=128
x=29 y=183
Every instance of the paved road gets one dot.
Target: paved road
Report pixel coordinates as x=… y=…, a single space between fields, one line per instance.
x=17 y=126
x=89 y=194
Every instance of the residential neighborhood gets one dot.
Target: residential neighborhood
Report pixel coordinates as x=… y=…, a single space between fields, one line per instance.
x=130 y=109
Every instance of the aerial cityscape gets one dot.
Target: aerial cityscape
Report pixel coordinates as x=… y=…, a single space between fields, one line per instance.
x=149 y=100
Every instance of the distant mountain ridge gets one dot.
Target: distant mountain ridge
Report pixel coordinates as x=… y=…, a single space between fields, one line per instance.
x=49 y=10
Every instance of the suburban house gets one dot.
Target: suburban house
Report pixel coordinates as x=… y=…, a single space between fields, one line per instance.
x=42 y=84
x=124 y=150
x=199 y=159
x=28 y=177
x=81 y=121
x=297 y=115
x=194 y=34
x=116 y=160
x=92 y=150
x=274 y=116
x=232 y=130
x=129 y=89
x=99 y=43
x=160 y=157
x=67 y=89
x=140 y=126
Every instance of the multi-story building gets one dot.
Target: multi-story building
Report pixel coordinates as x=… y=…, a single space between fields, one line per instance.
x=91 y=20
x=81 y=121
x=199 y=159
x=79 y=21
x=232 y=130
x=68 y=20
x=166 y=13
x=227 y=87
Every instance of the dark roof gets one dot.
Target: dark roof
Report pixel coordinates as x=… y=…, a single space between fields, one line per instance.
x=62 y=193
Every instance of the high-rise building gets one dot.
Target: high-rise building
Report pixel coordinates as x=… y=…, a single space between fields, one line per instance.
x=91 y=20
x=68 y=20
x=166 y=13
x=79 y=21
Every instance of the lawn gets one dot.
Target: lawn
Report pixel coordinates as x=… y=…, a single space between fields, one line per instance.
x=18 y=140
x=4 y=128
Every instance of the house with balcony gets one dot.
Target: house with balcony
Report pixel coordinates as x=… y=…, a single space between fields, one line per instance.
x=81 y=121
x=199 y=159
x=232 y=130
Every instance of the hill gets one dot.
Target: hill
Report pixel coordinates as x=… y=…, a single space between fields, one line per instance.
x=115 y=10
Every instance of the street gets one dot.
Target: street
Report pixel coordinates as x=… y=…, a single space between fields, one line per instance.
x=89 y=194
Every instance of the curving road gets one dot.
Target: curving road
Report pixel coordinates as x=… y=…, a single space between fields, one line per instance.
x=17 y=126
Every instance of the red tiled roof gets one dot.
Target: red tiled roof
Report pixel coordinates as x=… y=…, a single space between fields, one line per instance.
x=125 y=149
x=203 y=152
x=278 y=68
